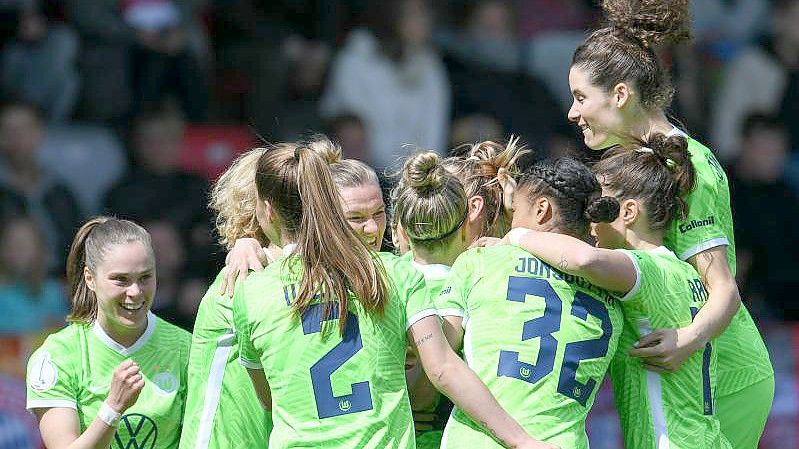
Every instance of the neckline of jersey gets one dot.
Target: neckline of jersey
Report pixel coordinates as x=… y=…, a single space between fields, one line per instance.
x=106 y=339
x=433 y=271
x=662 y=250
x=289 y=248
x=676 y=132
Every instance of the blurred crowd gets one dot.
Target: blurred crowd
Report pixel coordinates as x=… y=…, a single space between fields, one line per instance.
x=131 y=107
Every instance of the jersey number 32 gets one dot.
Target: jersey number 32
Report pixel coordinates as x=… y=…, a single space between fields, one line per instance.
x=543 y=327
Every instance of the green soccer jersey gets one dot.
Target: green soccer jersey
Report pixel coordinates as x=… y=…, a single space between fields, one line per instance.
x=74 y=367
x=328 y=390
x=742 y=356
x=222 y=410
x=539 y=339
x=434 y=277
x=669 y=410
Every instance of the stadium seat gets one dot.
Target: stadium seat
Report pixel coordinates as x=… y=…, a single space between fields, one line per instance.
x=209 y=149
x=89 y=159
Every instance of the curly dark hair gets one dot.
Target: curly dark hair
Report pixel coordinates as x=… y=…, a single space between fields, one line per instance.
x=621 y=51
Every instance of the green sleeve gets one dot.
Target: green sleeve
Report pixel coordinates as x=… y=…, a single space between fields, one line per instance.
x=419 y=304
x=249 y=356
x=708 y=223
x=51 y=375
x=451 y=301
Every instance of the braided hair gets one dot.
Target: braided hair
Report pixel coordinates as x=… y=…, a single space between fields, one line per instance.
x=575 y=191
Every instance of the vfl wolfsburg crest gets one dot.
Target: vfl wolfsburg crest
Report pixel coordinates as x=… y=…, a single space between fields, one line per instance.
x=344 y=405
x=165 y=383
x=136 y=431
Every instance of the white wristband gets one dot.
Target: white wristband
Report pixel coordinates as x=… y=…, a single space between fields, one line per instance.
x=108 y=415
x=515 y=235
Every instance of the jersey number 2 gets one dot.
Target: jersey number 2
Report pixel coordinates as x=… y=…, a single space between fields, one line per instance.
x=328 y=405
x=543 y=327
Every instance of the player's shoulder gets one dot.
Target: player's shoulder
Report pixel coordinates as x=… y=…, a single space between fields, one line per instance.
x=67 y=336
x=63 y=346
x=399 y=268
x=168 y=332
x=283 y=271
x=709 y=173
x=477 y=257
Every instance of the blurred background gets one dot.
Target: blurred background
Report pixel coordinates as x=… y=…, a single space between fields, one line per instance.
x=132 y=107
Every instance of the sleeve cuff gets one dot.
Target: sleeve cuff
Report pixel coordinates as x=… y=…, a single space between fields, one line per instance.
x=451 y=312
x=419 y=316
x=706 y=245
x=515 y=235
x=637 y=285
x=51 y=403
x=249 y=364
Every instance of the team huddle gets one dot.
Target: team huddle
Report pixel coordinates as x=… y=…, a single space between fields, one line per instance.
x=512 y=294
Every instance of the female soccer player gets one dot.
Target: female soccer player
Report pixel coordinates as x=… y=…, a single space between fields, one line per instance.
x=341 y=384
x=620 y=94
x=361 y=199
x=117 y=373
x=655 y=288
x=508 y=305
x=487 y=170
x=426 y=201
x=430 y=206
x=222 y=410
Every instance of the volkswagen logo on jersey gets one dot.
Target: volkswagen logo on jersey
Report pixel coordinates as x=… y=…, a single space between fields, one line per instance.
x=136 y=431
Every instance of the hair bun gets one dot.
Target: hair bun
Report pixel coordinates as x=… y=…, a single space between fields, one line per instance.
x=423 y=172
x=650 y=21
x=603 y=210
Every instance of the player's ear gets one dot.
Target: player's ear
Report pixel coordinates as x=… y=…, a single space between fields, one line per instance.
x=88 y=277
x=621 y=94
x=629 y=211
x=476 y=204
x=542 y=210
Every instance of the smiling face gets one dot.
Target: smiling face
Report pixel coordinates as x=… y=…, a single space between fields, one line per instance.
x=365 y=211
x=595 y=111
x=124 y=284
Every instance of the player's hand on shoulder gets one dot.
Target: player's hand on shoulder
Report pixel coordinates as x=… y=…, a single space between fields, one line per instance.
x=126 y=384
x=483 y=242
x=245 y=255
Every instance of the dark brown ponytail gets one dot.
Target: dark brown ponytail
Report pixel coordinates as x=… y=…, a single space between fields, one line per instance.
x=659 y=173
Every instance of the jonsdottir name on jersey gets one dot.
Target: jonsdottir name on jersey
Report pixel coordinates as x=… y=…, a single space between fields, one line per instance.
x=136 y=431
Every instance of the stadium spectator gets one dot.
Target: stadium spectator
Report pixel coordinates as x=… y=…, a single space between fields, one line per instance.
x=297 y=109
x=27 y=188
x=349 y=132
x=171 y=301
x=34 y=300
x=388 y=75
x=764 y=79
x=38 y=65
x=474 y=128
x=157 y=189
x=766 y=266
x=135 y=51
x=485 y=82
